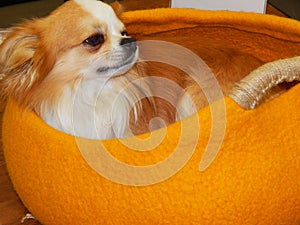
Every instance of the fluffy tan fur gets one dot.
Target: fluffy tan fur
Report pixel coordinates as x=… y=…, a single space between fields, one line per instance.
x=227 y=63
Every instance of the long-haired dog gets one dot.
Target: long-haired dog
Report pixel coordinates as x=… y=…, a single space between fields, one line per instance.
x=77 y=69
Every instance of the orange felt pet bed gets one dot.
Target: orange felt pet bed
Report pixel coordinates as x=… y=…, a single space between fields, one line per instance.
x=254 y=178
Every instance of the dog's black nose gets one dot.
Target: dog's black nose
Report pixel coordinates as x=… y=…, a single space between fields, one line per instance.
x=128 y=43
x=125 y=41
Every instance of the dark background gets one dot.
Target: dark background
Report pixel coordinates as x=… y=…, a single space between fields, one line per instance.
x=14 y=11
x=10 y=2
x=289 y=7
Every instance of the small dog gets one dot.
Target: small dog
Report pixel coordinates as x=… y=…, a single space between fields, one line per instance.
x=77 y=69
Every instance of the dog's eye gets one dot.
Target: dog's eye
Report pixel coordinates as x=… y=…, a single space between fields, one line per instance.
x=94 y=40
x=124 y=33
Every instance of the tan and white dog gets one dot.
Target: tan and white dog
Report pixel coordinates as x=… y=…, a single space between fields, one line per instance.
x=77 y=69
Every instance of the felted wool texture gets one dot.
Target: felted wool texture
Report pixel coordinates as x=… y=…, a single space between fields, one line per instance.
x=253 y=180
x=267 y=37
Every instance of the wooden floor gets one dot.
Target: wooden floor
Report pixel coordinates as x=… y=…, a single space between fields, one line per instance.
x=11 y=208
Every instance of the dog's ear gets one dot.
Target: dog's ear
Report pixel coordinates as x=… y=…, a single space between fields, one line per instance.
x=117 y=7
x=16 y=62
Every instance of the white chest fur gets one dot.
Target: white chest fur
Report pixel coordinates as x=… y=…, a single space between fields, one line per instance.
x=97 y=109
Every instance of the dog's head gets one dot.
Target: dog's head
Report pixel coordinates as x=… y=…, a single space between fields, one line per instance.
x=82 y=39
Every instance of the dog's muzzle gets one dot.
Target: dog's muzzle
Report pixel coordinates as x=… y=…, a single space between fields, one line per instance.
x=121 y=59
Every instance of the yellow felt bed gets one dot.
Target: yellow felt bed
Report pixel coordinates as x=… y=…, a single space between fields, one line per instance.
x=255 y=178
